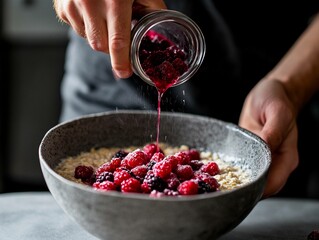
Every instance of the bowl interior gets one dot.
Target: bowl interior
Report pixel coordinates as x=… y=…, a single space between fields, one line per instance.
x=136 y=128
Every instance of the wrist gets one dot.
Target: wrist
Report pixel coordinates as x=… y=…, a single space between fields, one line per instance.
x=295 y=93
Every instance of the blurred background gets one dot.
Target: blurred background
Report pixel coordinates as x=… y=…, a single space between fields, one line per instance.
x=33 y=45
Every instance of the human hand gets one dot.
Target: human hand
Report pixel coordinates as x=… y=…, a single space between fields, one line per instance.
x=106 y=24
x=269 y=113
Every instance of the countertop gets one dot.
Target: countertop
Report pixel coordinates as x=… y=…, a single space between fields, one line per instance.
x=36 y=215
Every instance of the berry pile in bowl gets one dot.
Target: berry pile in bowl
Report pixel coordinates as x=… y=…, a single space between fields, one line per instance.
x=155 y=170
x=204 y=179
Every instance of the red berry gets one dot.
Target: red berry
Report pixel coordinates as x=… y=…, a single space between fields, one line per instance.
x=145 y=187
x=124 y=163
x=162 y=169
x=188 y=188
x=115 y=163
x=172 y=160
x=182 y=158
x=120 y=175
x=193 y=154
x=184 y=172
x=210 y=168
x=140 y=171
x=106 y=185
x=157 y=157
x=135 y=158
x=83 y=172
x=131 y=185
x=105 y=167
x=172 y=181
x=149 y=150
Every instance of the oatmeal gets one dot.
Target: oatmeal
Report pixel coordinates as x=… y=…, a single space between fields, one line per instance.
x=165 y=170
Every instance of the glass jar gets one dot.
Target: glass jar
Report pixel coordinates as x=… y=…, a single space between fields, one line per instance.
x=177 y=28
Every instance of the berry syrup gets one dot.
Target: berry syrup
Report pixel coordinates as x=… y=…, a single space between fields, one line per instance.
x=163 y=62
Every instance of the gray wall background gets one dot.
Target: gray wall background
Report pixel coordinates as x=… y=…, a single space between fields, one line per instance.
x=32 y=57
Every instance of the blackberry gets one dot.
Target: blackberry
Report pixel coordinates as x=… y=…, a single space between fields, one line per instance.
x=105 y=176
x=155 y=183
x=120 y=154
x=196 y=164
x=203 y=187
x=150 y=164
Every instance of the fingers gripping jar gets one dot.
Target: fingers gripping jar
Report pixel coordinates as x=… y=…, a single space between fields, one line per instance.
x=167 y=47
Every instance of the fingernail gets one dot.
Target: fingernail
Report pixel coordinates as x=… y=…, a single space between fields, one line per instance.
x=121 y=74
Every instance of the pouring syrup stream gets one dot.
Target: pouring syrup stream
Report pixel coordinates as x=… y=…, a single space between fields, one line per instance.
x=163 y=62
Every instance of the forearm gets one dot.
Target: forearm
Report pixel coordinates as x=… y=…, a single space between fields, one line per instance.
x=299 y=68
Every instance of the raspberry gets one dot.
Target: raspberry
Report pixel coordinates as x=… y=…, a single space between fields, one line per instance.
x=135 y=158
x=124 y=163
x=121 y=175
x=162 y=169
x=83 y=172
x=172 y=160
x=115 y=162
x=140 y=171
x=145 y=188
x=105 y=167
x=182 y=158
x=150 y=149
x=172 y=181
x=184 y=172
x=193 y=154
x=157 y=157
x=106 y=185
x=188 y=188
x=210 y=168
x=131 y=185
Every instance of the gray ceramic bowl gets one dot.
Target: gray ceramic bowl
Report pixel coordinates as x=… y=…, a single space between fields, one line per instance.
x=117 y=216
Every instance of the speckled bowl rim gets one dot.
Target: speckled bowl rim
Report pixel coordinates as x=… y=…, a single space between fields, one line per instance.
x=146 y=196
